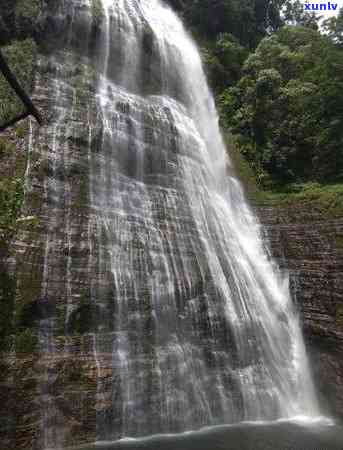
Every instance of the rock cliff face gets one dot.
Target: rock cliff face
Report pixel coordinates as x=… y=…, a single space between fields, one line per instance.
x=132 y=299
x=310 y=247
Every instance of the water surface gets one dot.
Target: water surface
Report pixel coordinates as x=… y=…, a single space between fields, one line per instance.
x=280 y=435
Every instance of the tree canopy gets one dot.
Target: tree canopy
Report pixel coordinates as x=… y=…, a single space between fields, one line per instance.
x=247 y=20
x=278 y=80
x=287 y=108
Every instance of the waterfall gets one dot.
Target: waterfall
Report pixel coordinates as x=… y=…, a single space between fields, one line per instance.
x=226 y=344
x=192 y=323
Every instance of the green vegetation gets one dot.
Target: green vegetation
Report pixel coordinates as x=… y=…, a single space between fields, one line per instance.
x=6 y=147
x=26 y=341
x=248 y=21
x=97 y=11
x=11 y=188
x=26 y=13
x=223 y=60
x=278 y=84
x=339 y=242
x=325 y=199
x=20 y=50
x=7 y=295
x=11 y=198
x=242 y=168
x=26 y=309
x=334 y=28
x=21 y=56
x=322 y=198
x=18 y=19
x=21 y=130
x=286 y=110
x=16 y=31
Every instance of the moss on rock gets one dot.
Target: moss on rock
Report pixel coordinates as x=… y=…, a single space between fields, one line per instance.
x=339 y=242
x=13 y=164
x=26 y=341
x=11 y=198
x=7 y=294
x=97 y=12
x=26 y=14
x=21 y=57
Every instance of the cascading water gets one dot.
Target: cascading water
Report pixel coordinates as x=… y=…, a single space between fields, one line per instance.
x=192 y=323
x=226 y=343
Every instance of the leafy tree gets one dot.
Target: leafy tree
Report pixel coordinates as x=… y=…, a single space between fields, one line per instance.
x=224 y=61
x=294 y=14
x=287 y=109
x=334 y=28
x=248 y=20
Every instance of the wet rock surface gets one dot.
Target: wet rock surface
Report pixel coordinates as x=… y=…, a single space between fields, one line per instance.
x=309 y=246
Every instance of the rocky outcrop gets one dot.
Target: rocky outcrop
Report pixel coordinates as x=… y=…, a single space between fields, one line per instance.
x=310 y=247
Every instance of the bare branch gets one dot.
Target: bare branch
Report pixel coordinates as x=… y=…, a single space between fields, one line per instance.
x=12 y=80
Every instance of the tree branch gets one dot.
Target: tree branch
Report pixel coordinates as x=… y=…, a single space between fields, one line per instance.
x=12 y=80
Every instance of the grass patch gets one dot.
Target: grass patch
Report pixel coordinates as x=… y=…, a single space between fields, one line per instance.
x=326 y=199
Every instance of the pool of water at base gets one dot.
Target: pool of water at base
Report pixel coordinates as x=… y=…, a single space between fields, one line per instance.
x=280 y=435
